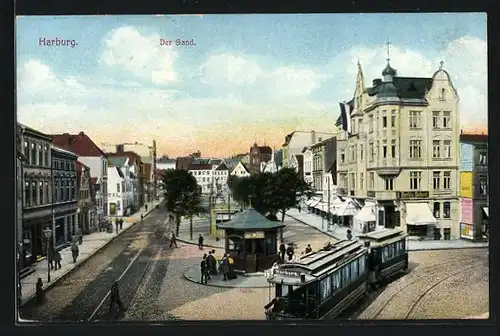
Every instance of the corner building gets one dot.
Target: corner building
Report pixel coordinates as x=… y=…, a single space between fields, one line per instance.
x=402 y=152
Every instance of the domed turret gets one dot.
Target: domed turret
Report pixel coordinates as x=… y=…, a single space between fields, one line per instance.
x=388 y=71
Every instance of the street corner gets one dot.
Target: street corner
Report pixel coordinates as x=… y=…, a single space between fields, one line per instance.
x=193 y=274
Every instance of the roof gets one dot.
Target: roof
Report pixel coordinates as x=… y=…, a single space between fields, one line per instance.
x=222 y=166
x=132 y=175
x=250 y=219
x=93 y=180
x=406 y=87
x=474 y=137
x=200 y=167
x=117 y=161
x=288 y=138
x=63 y=151
x=133 y=157
x=80 y=144
x=34 y=132
x=215 y=161
x=183 y=162
x=232 y=163
x=265 y=150
x=166 y=160
x=243 y=165
x=119 y=171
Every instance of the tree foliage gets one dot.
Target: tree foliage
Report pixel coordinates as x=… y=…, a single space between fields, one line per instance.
x=182 y=194
x=269 y=193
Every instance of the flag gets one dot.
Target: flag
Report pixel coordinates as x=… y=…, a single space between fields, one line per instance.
x=345 y=117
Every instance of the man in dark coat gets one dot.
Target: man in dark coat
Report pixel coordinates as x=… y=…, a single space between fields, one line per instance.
x=211 y=263
x=308 y=248
x=200 y=242
x=282 y=251
x=289 y=251
x=203 y=269
x=121 y=223
x=39 y=291
x=74 y=251
x=173 y=239
x=57 y=260
x=117 y=223
x=114 y=297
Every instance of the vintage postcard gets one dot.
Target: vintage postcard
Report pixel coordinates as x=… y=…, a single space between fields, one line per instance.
x=252 y=167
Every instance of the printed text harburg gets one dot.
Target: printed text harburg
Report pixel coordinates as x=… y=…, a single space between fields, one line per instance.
x=56 y=42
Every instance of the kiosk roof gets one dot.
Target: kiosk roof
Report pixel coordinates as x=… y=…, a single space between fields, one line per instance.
x=250 y=219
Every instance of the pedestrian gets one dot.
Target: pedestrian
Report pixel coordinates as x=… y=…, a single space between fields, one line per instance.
x=308 y=248
x=57 y=260
x=117 y=223
x=50 y=257
x=349 y=234
x=203 y=269
x=224 y=267
x=114 y=298
x=200 y=242
x=213 y=262
x=289 y=251
x=142 y=218
x=146 y=207
x=173 y=239
x=80 y=238
x=39 y=291
x=74 y=251
x=299 y=208
x=121 y=224
x=282 y=250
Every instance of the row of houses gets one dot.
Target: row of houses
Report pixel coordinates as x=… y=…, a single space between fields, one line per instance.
x=400 y=159
x=66 y=183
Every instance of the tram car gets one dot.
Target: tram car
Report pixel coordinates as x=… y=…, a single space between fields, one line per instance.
x=322 y=284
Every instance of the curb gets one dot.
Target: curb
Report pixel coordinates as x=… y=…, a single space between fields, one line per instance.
x=78 y=264
x=314 y=227
x=215 y=285
x=191 y=243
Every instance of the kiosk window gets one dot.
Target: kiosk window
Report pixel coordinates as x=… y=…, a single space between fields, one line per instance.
x=325 y=288
x=248 y=246
x=336 y=280
x=271 y=248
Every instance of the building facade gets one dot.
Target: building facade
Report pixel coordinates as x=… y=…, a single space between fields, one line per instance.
x=402 y=151
x=259 y=155
x=308 y=164
x=87 y=215
x=64 y=195
x=474 y=187
x=204 y=175
x=137 y=176
x=297 y=163
x=120 y=186
x=164 y=163
x=93 y=157
x=36 y=193
x=240 y=170
x=297 y=140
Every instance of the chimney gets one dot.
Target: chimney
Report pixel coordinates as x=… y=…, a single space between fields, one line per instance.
x=313 y=137
x=66 y=134
x=81 y=133
x=119 y=148
x=462 y=131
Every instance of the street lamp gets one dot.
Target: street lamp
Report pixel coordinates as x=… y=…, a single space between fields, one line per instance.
x=48 y=233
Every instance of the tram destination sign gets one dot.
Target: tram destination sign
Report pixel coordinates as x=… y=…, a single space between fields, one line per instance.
x=412 y=194
x=288 y=273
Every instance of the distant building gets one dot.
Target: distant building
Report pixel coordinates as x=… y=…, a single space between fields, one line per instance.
x=183 y=162
x=308 y=165
x=297 y=163
x=138 y=176
x=297 y=140
x=87 y=215
x=120 y=187
x=165 y=163
x=240 y=170
x=474 y=186
x=259 y=155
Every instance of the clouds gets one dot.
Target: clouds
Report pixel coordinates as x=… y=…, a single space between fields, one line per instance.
x=140 y=55
x=143 y=90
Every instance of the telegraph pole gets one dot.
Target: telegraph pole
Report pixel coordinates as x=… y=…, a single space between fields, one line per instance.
x=229 y=203
x=154 y=169
x=329 y=211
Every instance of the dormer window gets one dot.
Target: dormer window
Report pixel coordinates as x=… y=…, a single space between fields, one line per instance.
x=442 y=95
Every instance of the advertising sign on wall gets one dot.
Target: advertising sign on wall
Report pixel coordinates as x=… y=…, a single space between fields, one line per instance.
x=466 y=231
x=466 y=210
x=466 y=157
x=466 y=184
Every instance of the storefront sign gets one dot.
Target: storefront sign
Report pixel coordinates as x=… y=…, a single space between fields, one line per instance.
x=466 y=157
x=370 y=193
x=466 y=210
x=412 y=194
x=466 y=231
x=466 y=184
x=254 y=235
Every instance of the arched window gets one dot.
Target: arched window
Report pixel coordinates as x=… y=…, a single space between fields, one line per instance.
x=437 y=209
x=446 y=210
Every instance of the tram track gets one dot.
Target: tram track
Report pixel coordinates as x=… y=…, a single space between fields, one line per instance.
x=416 y=279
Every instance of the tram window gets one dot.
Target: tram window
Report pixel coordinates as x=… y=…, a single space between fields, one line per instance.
x=354 y=269
x=336 y=280
x=345 y=275
x=362 y=265
x=325 y=287
x=284 y=291
x=385 y=254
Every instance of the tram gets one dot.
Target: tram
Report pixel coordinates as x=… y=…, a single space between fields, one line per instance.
x=322 y=284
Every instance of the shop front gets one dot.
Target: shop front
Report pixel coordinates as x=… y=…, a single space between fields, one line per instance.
x=419 y=220
x=33 y=242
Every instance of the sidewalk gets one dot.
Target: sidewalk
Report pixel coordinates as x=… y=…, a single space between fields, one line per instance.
x=91 y=244
x=201 y=226
x=340 y=232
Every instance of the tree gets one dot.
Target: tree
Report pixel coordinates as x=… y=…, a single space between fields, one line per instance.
x=181 y=194
x=241 y=189
x=289 y=189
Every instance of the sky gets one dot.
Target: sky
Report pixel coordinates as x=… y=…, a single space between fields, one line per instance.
x=239 y=79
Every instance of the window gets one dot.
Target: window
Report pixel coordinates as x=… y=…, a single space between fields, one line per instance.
x=436 y=210
x=384 y=122
x=377 y=149
x=361 y=267
x=47 y=192
x=41 y=192
x=371 y=149
x=325 y=288
x=435 y=119
x=33 y=154
x=46 y=155
x=442 y=96
x=56 y=186
x=71 y=191
x=346 y=278
x=415 y=119
x=483 y=158
x=415 y=180
x=27 y=194
x=370 y=120
x=354 y=269
x=446 y=119
x=447 y=180
x=118 y=206
x=436 y=149
x=361 y=154
x=34 y=201
x=27 y=150
x=389 y=183
x=384 y=148
x=393 y=148
x=393 y=118
x=372 y=180
x=447 y=149
x=118 y=187
x=446 y=210
x=483 y=185
x=436 y=180
x=40 y=156
x=415 y=149
x=361 y=181
x=336 y=284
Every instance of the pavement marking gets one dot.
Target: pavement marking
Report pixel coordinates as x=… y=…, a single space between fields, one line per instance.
x=119 y=278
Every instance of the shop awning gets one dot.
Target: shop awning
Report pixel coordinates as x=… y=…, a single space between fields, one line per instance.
x=366 y=214
x=419 y=214
x=308 y=202
x=348 y=208
x=314 y=202
x=485 y=209
x=335 y=206
x=322 y=206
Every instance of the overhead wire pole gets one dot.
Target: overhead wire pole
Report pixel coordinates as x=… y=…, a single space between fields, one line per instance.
x=154 y=169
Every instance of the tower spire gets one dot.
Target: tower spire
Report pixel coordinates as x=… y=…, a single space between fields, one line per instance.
x=388 y=44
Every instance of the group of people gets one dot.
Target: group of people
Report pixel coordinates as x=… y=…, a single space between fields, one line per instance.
x=288 y=250
x=209 y=266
